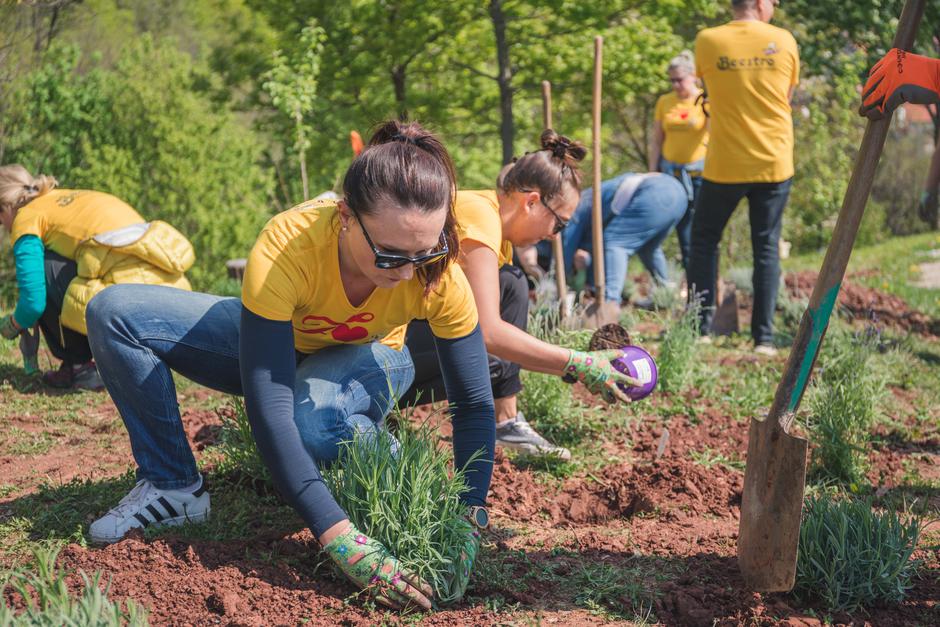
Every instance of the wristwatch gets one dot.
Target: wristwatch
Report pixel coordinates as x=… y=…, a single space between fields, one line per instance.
x=479 y=517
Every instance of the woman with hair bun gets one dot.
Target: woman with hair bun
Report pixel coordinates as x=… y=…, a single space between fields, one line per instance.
x=680 y=139
x=68 y=245
x=316 y=346
x=535 y=196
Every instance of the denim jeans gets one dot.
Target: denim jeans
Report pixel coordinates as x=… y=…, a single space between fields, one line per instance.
x=692 y=185
x=713 y=208
x=640 y=228
x=139 y=334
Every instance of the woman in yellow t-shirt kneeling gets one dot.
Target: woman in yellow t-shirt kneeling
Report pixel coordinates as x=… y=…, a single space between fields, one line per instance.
x=315 y=345
x=680 y=138
x=535 y=197
x=68 y=245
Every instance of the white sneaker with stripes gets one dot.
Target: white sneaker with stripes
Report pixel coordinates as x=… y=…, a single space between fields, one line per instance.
x=146 y=506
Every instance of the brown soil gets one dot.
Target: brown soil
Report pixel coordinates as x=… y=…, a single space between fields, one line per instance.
x=867 y=304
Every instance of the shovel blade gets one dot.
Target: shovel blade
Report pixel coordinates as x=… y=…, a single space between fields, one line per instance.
x=771 y=506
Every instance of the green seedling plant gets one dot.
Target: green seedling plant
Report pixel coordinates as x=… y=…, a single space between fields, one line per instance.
x=239 y=458
x=843 y=407
x=402 y=491
x=45 y=595
x=851 y=556
x=678 y=352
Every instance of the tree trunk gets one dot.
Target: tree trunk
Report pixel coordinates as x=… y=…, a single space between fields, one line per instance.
x=302 y=153
x=507 y=129
x=399 y=77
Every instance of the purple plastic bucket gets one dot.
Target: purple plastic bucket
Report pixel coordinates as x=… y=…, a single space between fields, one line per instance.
x=638 y=364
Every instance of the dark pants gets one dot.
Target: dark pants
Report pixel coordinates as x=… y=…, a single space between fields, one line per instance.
x=713 y=208
x=504 y=375
x=68 y=345
x=684 y=226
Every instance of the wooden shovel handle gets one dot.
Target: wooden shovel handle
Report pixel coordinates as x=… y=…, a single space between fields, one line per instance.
x=597 y=225
x=558 y=252
x=816 y=318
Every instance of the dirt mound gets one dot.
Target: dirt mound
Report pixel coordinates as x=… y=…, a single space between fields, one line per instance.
x=867 y=303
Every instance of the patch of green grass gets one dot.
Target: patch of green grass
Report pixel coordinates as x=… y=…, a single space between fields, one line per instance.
x=678 y=351
x=842 y=408
x=710 y=458
x=48 y=602
x=548 y=403
x=851 y=556
x=22 y=442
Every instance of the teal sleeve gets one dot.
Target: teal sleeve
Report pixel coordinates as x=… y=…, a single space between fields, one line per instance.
x=30 y=257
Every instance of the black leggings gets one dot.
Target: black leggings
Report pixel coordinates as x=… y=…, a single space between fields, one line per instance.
x=68 y=345
x=504 y=375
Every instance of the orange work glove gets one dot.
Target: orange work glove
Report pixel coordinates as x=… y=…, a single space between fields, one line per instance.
x=900 y=77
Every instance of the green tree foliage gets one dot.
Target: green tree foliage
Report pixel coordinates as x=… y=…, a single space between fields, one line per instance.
x=145 y=132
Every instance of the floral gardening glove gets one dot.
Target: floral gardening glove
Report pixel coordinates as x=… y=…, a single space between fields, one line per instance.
x=29 y=347
x=8 y=328
x=597 y=374
x=369 y=565
x=900 y=77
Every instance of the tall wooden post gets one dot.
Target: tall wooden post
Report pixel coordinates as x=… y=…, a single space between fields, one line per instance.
x=597 y=225
x=557 y=249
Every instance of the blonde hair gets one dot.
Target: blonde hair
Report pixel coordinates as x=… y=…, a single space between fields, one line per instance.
x=18 y=187
x=685 y=61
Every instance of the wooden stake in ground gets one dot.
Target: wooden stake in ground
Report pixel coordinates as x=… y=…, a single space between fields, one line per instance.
x=557 y=249
x=772 y=502
x=597 y=225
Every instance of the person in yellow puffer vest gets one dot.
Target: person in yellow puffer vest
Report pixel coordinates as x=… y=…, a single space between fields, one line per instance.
x=68 y=245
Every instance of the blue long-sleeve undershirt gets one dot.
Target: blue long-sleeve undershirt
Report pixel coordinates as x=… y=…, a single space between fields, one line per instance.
x=268 y=370
x=29 y=255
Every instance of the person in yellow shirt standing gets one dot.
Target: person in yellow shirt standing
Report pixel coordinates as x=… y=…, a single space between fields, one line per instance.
x=680 y=138
x=68 y=245
x=535 y=197
x=749 y=69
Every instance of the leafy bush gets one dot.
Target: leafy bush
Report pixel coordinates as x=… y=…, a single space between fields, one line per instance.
x=148 y=131
x=48 y=602
x=240 y=459
x=404 y=494
x=842 y=407
x=677 y=353
x=851 y=556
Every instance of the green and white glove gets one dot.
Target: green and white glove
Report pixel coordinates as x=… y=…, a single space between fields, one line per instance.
x=369 y=565
x=468 y=555
x=8 y=327
x=29 y=347
x=597 y=374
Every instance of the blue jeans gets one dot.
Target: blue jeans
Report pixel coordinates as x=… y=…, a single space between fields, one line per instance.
x=692 y=185
x=640 y=228
x=713 y=208
x=139 y=334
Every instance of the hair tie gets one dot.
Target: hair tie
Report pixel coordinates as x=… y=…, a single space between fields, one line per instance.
x=398 y=137
x=560 y=149
x=31 y=188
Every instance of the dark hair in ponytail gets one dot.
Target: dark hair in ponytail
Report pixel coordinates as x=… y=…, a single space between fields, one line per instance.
x=406 y=166
x=546 y=170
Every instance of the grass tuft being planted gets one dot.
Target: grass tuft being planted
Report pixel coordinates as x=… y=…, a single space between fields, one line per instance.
x=405 y=494
x=851 y=556
x=47 y=601
x=677 y=353
x=842 y=408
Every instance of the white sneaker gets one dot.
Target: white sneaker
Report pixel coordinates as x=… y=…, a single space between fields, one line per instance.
x=145 y=505
x=518 y=435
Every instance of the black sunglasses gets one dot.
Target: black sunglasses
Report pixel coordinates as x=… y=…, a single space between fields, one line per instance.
x=559 y=223
x=389 y=261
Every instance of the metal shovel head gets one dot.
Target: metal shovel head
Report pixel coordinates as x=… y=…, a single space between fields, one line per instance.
x=771 y=506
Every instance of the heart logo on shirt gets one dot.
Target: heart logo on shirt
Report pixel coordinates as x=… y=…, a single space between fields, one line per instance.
x=684 y=115
x=339 y=331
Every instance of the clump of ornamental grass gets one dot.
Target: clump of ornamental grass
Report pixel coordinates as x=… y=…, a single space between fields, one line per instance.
x=843 y=407
x=45 y=595
x=677 y=353
x=402 y=491
x=851 y=556
x=239 y=458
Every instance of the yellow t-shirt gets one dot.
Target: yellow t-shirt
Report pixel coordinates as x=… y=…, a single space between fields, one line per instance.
x=748 y=68
x=293 y=274
x=478 y=219
x=684 y=124
x=64 y=218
